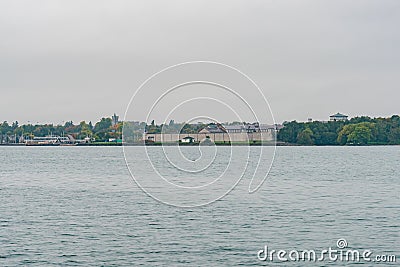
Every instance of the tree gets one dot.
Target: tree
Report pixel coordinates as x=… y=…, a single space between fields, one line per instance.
x=85 y=130
x=382 y=129
x=103 y=124
x=5 y=128
x=102 y=128
x=290 y=132
x=361 y=119
x=358 y=134
x=394 y=136
x=68 y=124
x=305 y=137
x=14 y=125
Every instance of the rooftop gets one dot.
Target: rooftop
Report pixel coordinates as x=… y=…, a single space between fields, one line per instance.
x=338 y=115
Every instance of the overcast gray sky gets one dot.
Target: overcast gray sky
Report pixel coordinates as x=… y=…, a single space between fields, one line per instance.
x=81 y=60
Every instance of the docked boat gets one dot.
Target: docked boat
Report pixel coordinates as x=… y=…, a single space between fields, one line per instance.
x=48 y=141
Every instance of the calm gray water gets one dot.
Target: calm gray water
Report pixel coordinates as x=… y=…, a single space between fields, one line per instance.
x=78 y=206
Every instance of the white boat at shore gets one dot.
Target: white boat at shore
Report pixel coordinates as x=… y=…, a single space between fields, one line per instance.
x=48 y=141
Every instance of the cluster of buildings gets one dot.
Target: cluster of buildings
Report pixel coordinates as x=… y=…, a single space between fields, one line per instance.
x=247 y=132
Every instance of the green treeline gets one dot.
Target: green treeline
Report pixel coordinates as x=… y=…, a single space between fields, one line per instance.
x=101 y=131
x=356 y=131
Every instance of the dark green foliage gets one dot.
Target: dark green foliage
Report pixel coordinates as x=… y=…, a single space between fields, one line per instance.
x=290 y=132
x=356 y=131
x=305 y=137
x=358 y=134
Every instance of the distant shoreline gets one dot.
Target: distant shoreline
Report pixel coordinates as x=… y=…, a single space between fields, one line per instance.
x=338 y=131
x=190 y=145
